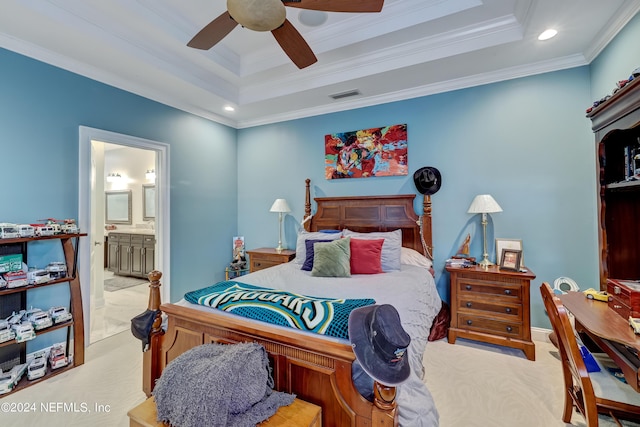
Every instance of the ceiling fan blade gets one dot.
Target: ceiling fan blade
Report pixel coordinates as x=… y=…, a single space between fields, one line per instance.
x=212 y=33
x=338 y=5
x=296 y=48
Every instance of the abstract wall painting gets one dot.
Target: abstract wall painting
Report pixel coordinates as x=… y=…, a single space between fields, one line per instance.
x=366 y=153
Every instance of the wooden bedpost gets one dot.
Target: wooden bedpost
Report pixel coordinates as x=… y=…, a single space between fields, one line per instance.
x=425 y=227
x=151 y=369
x=307 y=204
x=385 y=412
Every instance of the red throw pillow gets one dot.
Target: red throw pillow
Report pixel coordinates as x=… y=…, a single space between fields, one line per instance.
x=366 y=256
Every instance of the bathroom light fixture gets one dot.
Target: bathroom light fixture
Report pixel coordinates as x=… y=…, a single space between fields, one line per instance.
x=150 y=174
x=547 y=34
x=114 y=177
x=281 y=206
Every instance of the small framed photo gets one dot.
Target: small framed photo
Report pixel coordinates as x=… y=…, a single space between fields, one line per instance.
x=510 y=259
x=502 y=244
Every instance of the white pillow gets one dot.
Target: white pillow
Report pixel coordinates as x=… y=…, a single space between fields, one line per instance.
x=413 y=257
x=390 y=258
x=301 y=247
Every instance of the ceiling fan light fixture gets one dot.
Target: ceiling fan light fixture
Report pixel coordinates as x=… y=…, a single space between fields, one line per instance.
x=312 y=18
x=258 y=15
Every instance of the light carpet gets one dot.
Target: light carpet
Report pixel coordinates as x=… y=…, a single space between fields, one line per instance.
x=473 y=384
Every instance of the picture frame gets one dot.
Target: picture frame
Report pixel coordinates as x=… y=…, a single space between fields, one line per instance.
x=515 y=244
x=510 y=259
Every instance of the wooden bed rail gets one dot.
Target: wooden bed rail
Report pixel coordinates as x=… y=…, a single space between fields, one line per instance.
x=316 y=370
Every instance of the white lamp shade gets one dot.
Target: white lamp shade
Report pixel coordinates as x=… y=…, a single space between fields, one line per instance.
x=484 y=203
x=280 y=205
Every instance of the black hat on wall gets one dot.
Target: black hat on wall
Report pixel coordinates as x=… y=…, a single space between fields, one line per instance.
x=427 y=180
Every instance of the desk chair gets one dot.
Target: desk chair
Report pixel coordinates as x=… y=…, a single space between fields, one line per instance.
x=591 y=393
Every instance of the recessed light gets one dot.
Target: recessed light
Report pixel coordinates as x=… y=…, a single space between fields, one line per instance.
x=229 y=108
x=547 y=34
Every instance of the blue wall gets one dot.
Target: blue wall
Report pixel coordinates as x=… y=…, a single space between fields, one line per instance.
x=525 y=141
x=617 y=61
x=41 y=108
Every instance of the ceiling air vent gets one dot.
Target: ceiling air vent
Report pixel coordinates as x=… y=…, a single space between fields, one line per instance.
x=346 y=94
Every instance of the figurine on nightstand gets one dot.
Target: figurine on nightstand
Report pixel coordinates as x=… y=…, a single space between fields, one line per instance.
x=239 y=260
x=238 y=263
x=463 y=250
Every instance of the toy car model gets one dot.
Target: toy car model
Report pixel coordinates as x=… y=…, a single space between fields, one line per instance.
x=15 y=318
x=597 y=295
x=57 y=357
x=44 y=229
x=69 y=228
x=6 y=383
x=38 y=276
x=24 y=331
x=16 y=279
x=8 y=380
x=60 y=314
x=26 y=230
x=37 y=367
x=57 y=270
x=8 y=231
x=6 y=333
x=40 y=320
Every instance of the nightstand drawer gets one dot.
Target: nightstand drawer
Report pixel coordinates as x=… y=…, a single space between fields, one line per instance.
x=261 y=264
x=479 y=287
x=489 y=307
x=262 y=258
x=484 y=324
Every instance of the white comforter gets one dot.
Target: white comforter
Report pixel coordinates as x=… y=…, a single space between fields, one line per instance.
x=411 y=291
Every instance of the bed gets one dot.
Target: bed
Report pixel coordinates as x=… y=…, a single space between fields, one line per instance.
x=318 y=368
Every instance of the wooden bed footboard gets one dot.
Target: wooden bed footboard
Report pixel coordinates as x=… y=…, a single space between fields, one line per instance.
x=315 y=369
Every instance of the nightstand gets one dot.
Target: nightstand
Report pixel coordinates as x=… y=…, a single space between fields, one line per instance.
x=492 y=306
x=262 y=258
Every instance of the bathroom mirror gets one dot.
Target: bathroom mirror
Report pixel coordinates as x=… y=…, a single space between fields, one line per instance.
x=148 y=202
x=118 y=207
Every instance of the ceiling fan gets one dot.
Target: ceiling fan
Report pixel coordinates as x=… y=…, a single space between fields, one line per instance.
x=271 y=15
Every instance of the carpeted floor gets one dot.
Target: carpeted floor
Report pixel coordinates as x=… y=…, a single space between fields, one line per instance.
x=122 y=282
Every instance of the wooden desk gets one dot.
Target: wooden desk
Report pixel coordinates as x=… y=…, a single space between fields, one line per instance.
x=609 y=331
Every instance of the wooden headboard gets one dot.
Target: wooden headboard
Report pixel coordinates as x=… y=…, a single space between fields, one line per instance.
x=373 y=213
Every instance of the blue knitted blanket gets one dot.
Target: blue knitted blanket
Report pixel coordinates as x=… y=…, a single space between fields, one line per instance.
x=325 y=316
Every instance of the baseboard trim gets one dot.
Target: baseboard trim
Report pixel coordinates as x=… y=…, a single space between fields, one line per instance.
x=540 y=334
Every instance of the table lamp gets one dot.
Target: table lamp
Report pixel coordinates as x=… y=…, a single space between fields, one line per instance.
x=484 y=204
x=280 y=206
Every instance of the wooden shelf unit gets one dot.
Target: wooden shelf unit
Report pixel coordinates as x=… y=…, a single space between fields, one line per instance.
x=75 y=326
x=616 y=125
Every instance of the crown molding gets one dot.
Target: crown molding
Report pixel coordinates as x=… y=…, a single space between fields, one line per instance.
x=426 y=90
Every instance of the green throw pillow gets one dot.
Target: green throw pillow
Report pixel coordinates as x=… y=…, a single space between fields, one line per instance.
x=332 y=259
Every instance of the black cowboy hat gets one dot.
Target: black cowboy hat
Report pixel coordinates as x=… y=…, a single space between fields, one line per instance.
x=427 y=180
x=380 y=343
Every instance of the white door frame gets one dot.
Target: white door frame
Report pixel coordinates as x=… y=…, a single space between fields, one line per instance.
x=163 y=253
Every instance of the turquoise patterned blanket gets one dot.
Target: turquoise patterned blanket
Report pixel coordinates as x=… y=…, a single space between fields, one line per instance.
x=325 y=316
